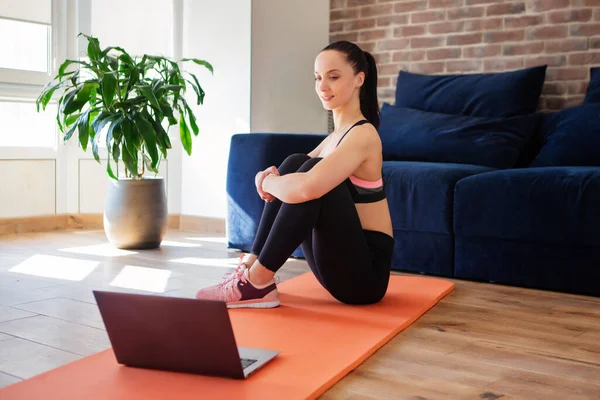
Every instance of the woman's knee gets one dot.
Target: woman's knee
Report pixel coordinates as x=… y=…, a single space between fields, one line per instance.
x=308 y=164
x=292 y=163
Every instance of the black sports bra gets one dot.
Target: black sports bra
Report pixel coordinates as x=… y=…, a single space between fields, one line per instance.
x=364 y=191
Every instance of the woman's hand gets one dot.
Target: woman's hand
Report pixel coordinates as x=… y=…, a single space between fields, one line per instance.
x=258 y=180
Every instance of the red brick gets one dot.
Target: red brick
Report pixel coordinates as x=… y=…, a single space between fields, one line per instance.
x=461 y=40
x=544 y=5
x=562 y=16
x=585 y=3
x=446 y=27
x=524 y=48
x=492 y=24
x=408 y=6
x=594 y=43
x=482 y=51
x=443 y=54
x=367 y=46
x=505 y=8
x=554 y=88
x=385 y=81
x=445 y=3
x=393 y=44
x=584 y=29
x=389 y=69
x=566 y=45
x=476 y=2
x=550 y=61
x=500 y=64
x=464 y=13
x=335 y=27
x=560 y=103
x=343 y=14
x=333 y=4
x=381 y=9
x=463 y=66
x=566 y=73
x=584 y=58
x=503 y=36
x=577 y=87
x=364 y=23
x=427 y=16
x=420 y=42
x=412 y=30
x=547 y=32
x=354 y=3
x=372 y=35
x=382 y=58
x=427 y=68
x=387 y=20
x=386 y=94
x=412 y=55
x=351 y=36
x=473 y=25
x=520 y=22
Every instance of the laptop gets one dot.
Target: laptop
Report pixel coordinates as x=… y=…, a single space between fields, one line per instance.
x=176 y=334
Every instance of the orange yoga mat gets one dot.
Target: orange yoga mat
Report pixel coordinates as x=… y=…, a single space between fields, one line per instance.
x=320 y=340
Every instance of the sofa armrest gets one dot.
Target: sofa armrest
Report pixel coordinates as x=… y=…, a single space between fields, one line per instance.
x=248 y=154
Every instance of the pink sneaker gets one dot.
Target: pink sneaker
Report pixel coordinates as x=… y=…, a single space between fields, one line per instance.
x=237 y=291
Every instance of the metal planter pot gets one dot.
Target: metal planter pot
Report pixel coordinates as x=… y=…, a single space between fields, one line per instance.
x=135 y=213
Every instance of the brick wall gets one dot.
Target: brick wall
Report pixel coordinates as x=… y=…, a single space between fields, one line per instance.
x=470 y=36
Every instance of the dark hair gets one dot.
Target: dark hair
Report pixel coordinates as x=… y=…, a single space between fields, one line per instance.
x=362 y=61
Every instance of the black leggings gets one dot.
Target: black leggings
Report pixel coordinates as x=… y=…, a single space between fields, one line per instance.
x=351 y=263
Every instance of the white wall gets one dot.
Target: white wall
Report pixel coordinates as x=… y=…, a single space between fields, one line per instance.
x=286 y=38
x=218 y=32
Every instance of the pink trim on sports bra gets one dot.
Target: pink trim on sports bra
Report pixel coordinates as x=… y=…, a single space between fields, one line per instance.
x=366 y=184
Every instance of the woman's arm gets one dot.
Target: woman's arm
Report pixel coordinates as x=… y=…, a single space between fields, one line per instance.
x=332 y=170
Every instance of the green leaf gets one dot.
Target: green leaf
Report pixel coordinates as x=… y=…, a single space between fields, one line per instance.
x=129 y=161
x=45 y=97
x=146 y=130
x=68 y=99
x=69 y=133
x=131 y=139
x=93 y=49
x=102 y=119
x=191 y=117
x=146 y=91
x=184 y=134
x=162 y=137
x=116 y=151
x=84 y=130
x=109 y=169
x=198 y=89
x=201 y=62
x=71 y=119
x=109 y=84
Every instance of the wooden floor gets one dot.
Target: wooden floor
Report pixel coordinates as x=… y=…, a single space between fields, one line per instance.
x=482 y=341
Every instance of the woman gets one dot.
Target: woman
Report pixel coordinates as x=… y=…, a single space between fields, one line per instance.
x=331 y=201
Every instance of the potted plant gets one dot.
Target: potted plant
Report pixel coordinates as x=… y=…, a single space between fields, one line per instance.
x=130 y=100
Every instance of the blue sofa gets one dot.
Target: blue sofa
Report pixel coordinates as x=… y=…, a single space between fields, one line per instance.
x=480 y=185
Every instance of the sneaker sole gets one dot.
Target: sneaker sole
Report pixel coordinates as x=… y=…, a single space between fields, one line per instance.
x=264 y=304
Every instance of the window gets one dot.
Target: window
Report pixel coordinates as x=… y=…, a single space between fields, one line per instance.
x=23 y=126
x=26 y=45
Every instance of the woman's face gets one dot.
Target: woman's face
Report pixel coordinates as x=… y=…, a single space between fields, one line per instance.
x=335 y=81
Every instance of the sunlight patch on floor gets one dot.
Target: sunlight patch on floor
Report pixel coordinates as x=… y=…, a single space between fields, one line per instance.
x=209 y=262
x=55 y=267
x=142 y=278
x=104 y=249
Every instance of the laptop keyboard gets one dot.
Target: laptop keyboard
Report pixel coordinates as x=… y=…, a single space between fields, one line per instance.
x=246 y=362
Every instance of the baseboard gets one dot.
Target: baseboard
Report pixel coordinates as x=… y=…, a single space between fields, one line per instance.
x=194 y=223
x=47 y=223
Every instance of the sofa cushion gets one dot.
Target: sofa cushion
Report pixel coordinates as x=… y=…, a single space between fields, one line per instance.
x=592 y=94
x=420 y=194
x=570 y=137
x=550 y=205
x=502 y=94
x=414 y=135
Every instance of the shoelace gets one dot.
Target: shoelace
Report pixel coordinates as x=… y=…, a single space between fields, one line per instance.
x=229 y=284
